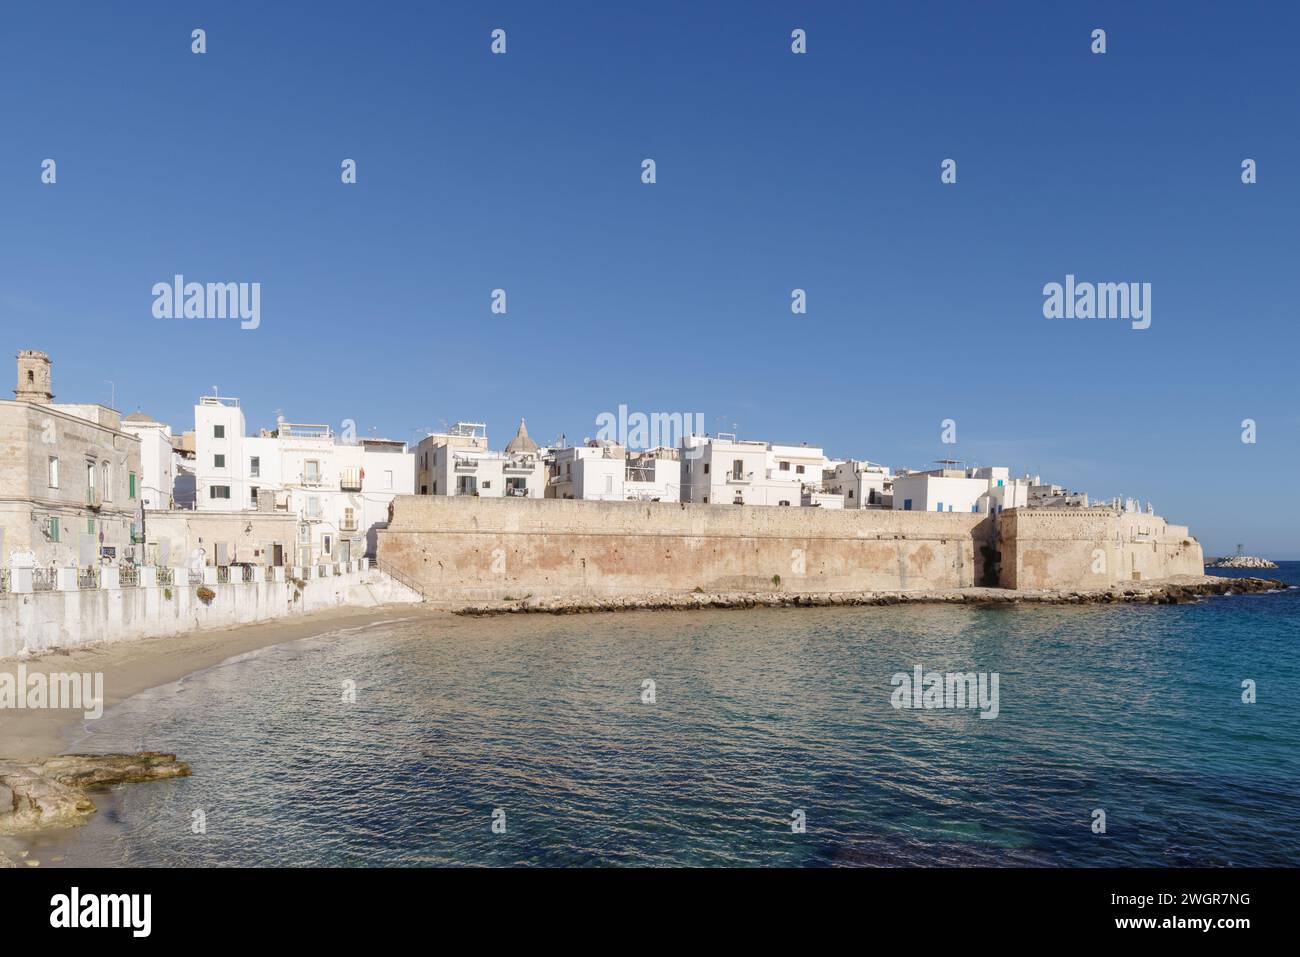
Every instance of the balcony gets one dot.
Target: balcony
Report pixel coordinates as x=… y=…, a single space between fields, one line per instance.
x=348 y=525
x=464 y=464
x=93 y=498
x=350 y=481
x=739 y=478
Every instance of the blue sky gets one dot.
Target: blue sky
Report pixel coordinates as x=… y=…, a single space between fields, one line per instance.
x=775 y=171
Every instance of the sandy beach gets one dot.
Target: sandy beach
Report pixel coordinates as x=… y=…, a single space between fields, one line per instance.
x=130 y=667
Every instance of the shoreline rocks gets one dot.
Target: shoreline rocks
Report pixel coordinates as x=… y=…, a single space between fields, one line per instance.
x=45 y=792
x=1241 y=561
x=1168 y=592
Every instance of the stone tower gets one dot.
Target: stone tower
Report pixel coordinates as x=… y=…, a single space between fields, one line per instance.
x=33 y=377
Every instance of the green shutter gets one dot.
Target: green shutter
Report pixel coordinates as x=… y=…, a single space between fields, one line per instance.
x=131 y=486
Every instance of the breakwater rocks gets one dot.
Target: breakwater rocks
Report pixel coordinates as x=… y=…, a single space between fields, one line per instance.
x=1241 y=561
x=48 y=792
x=1171 y=591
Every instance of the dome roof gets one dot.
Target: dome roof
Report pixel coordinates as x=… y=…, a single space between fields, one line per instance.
x=521 y=442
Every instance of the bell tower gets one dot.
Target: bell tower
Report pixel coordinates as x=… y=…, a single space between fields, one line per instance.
x=33 y=377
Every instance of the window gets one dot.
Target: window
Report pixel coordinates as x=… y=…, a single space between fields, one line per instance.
x=52 y=527
x=941 y=506
x=252 y=496
x=311 y=472
x=907 y=505
x=349 y=520
x=106 y=478
x=304 y=534
x=388 y=478
x=850 y=495
x=487 y=484
x=130 y=485
x=798 y=470
x=327 y=544
x=218 y=431
x=785 y=466
x=424 y=490
x=90 y=526
x=218 y=461
x=738 y=468
x=255 y=466
x=782 y=503
x=313 y=506
x=53 y=473
x=706 y=468
x=218 y=491
x=999 y=483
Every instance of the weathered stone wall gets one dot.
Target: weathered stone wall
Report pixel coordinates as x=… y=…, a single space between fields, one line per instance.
x=1092 y=548
x=460 y=549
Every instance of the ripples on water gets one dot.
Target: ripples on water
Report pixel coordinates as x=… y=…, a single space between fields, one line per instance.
x=1133 y=709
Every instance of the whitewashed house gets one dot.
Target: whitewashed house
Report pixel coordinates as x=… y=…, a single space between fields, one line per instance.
x=340 y=492
x=459 y=462
x=723 y=470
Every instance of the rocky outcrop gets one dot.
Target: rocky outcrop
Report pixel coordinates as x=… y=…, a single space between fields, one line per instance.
x=52 y=791
x=1168 y=592
x=1241 y=561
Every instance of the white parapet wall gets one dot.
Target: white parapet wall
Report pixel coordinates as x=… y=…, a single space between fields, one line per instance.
x=165 y=602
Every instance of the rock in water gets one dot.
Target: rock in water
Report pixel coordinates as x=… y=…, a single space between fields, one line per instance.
x=1241 y=561
x=51 y=791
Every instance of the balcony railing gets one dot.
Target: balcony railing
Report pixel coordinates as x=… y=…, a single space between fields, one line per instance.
x=246 y=573
x=165 y=577
x=348 y=525
x=223 y=574
x=516 y=492
x=43 y=579
x=93 y=498
x=128 y=576
x=740 y=477
x=88 y=578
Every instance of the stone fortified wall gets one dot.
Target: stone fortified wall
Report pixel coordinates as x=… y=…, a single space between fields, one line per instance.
x=465 y=549
x=1092 y=548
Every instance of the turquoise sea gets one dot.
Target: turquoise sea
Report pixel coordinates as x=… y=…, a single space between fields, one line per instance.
x=540 y=722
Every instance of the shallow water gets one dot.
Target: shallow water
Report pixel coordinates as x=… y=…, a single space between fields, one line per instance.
x=1135 y=710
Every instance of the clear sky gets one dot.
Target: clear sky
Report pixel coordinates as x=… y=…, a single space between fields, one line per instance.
x=775 y=171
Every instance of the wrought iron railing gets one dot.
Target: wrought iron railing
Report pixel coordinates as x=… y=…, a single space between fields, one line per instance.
x=128 y=576
x=165 y=576
x=88 y=578
x=43 y=579
x=223 y=574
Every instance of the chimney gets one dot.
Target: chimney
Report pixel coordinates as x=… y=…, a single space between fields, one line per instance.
x=33 y=377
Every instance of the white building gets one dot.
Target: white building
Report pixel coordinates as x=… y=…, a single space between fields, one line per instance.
x=722 y=470
x=340 y=492
x=950 y=489
x=860 y=484
x=159 y=460
x=459 y=462
x=606 y=471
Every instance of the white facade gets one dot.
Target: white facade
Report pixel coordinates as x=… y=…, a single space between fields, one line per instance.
x=860 y=484
x=340 y=492
x=605 y=471
x=459 y=462
x=159 y=461
x=950 y=489
x=727 y=471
